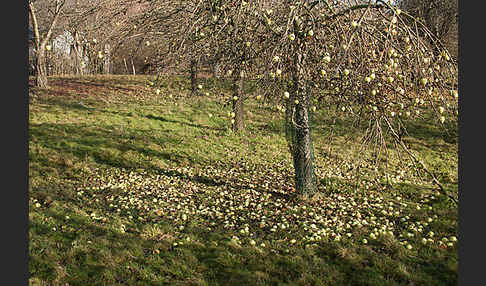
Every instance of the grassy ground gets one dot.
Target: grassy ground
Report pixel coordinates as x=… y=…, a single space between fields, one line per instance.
x=132 y=188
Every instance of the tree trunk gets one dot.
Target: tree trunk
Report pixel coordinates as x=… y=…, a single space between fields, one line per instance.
x=126 y=67
x=216 y=65
x=238 y=103
x=41 y=70
x=107 y=60
x=78 y=55
x=299 y=126
x=194 y=77
x=133 y=67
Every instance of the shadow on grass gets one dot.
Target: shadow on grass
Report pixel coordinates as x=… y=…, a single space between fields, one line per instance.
x=109 y=148
x=160 y=118
x=108 y=85
x=127 y=150
x=109 y=82
x=63 y=103
x=92 y=263
x=82 y=140
x=431 y=133
x=90 y=252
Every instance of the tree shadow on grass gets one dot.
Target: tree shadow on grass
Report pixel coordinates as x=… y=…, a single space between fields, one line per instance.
x=87 y=84
x=113 y=257
x=109 y=148
x=88 y=265
x=75 y=103
x=431 y=133
x=82 y=140
x=163 y=119
x=219 y=264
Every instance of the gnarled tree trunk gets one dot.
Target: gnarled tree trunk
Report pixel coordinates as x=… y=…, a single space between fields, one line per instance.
x=41 y=69
x=78 y=54
x=298 y=125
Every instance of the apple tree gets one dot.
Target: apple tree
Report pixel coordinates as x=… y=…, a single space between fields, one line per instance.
x=176 y=34
x=363 y=56
x=233 y=28
x=366 y=57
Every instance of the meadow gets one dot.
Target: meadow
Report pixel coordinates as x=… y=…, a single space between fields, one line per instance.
x=130 y=187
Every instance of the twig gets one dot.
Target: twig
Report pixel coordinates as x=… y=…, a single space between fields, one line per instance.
x=422 y=164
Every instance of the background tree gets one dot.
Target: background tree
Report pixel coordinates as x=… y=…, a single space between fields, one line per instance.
x=50 y=12
x=174 y=35
x=83 y=34
x=440 y=17
x=233 y=27
x=101 y=27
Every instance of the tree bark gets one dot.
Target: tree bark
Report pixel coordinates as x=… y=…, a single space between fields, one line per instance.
x=299 y=126
x=216 y=65
x=78 y=54
x=238 y=103
x=193 y=70
x=126 y=67
x=41 y=69
x=107 y=60
x=133 y=67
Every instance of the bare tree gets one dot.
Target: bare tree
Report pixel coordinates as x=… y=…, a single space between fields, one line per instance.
x=440 y=17
x=41 y=40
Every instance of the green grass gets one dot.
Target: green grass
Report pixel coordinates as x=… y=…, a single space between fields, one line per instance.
x=131 y=188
